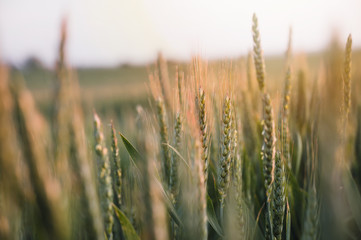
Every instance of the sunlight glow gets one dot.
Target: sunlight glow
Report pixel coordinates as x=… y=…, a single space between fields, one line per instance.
x=110 y=32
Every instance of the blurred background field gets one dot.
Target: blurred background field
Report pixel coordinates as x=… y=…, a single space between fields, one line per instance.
x=120 y=89
x=115 y=92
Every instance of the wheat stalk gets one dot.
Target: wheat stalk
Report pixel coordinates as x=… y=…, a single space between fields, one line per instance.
x=203 y=125
x=117 y=173
x=268 y=147
x=162 y=120
x=279 y=197
x=104 y=177
x=202 y=193
x=283 y=120
x=226 y=151
x=174 y=182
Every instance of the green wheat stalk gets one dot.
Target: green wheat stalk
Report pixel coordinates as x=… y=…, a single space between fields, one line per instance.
x=117 y=173
x=104 y=177
x=165 y=154
x=279 y=197
x=173 y=183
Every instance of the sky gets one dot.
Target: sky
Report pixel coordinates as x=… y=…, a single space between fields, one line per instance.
x=113 y=32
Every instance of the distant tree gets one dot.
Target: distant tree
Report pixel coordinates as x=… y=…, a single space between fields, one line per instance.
x=33 y=63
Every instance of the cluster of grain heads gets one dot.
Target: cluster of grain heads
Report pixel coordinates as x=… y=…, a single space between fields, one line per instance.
x=268 y=132
x=226 y=151
x=105 y=189
x=204 y=132
x=163 y=128
x=192 y=195
x=170 y=189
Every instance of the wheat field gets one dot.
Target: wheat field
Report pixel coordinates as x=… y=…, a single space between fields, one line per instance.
x=231 y=149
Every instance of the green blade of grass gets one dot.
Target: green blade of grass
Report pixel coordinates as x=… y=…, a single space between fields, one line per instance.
x=135 y=156
x=128 y=229
x=256 y=227
x=288 y=222
x=178 y=154
x=133 y=152
x=212 y=218
x=170 y=207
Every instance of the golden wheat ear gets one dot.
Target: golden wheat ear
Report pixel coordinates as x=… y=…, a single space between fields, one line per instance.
x=226 y=152
x=258 y=54
x=347 y=77
x=203 y=125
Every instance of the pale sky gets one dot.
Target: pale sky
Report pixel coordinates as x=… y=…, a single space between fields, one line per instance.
x=111 y=32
